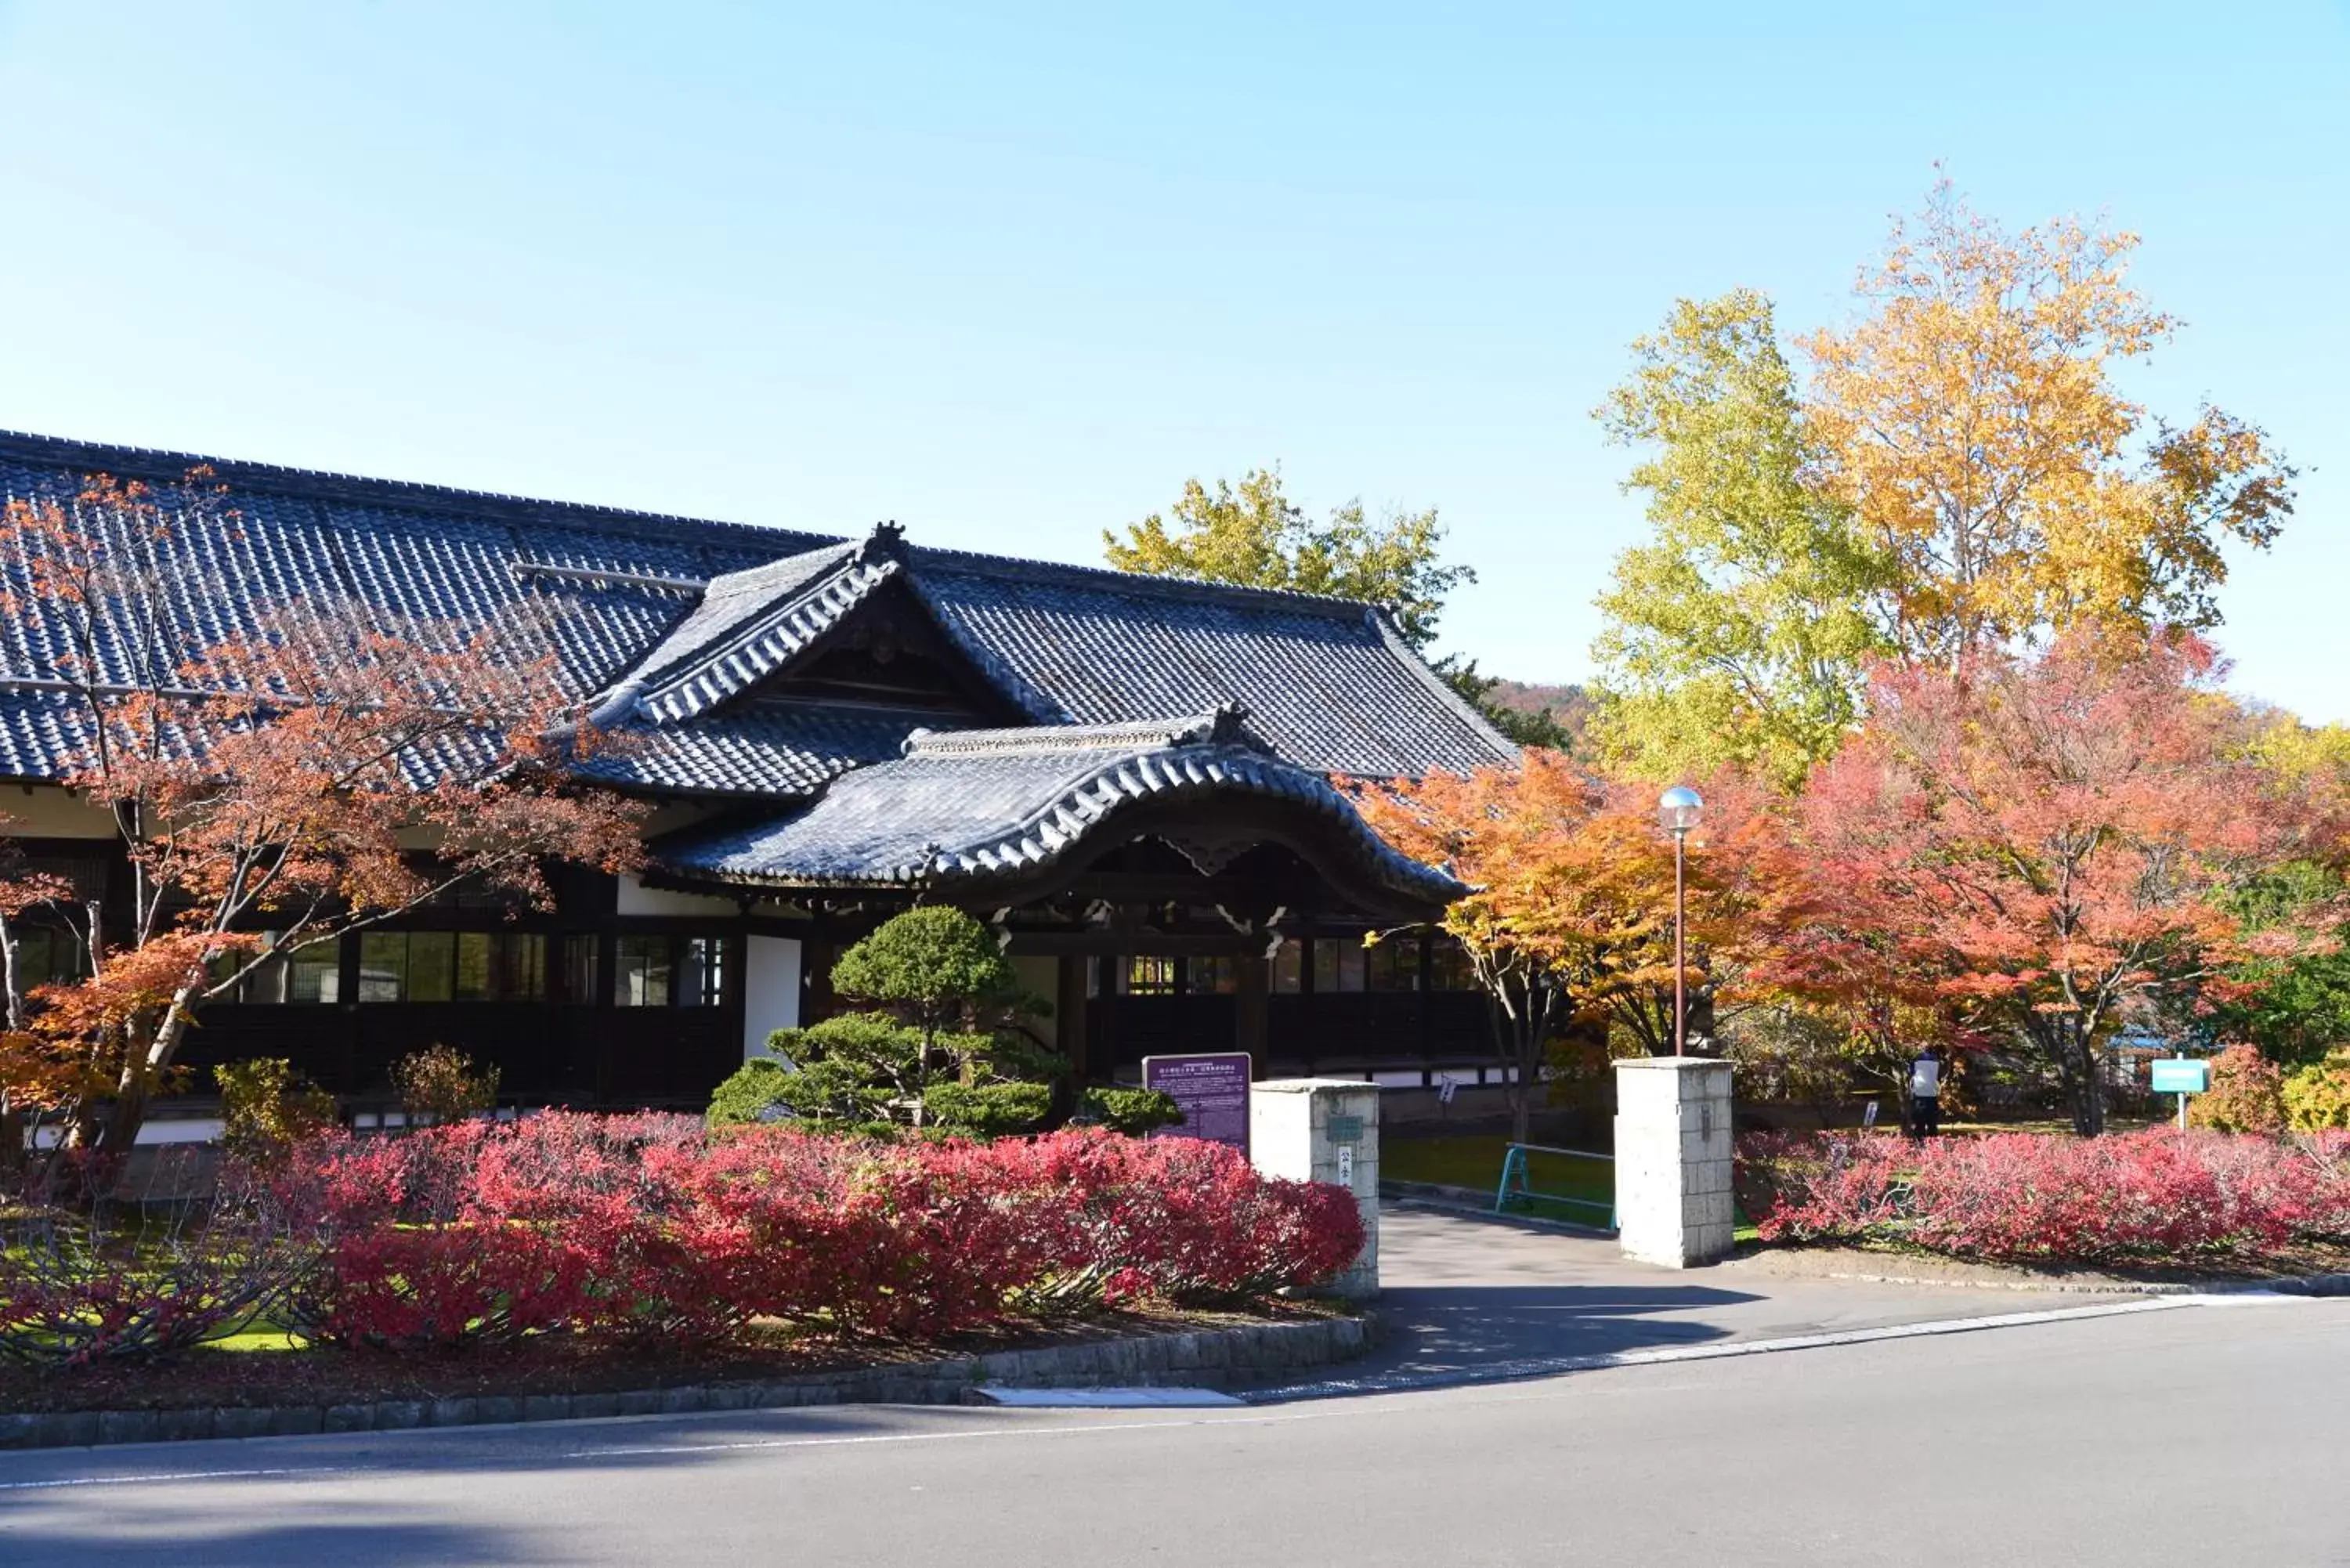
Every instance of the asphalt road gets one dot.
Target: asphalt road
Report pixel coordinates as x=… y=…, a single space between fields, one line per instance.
x=2202 y=1435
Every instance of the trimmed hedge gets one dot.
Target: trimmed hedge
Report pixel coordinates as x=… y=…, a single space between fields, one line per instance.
x=2016 y=1196
x=648 y=1228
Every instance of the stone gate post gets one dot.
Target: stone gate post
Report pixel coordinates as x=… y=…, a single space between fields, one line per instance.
x=1325 y=1129
x=1673 y=1199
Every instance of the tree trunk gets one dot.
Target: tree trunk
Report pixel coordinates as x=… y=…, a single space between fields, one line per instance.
x=2089 y=1115
x=2085 y=1089
x=1519 y=1028
x=136 y=1085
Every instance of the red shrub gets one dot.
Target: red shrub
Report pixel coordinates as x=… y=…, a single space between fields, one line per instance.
x=646 y=1227
x=1833 y=1188
x=2147 y=1195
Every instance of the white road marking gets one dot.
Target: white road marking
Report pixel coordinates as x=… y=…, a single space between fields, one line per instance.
x=160 y=1477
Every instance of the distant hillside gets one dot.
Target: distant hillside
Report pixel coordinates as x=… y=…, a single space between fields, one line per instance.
x=1565 y=706
x=1560 y=700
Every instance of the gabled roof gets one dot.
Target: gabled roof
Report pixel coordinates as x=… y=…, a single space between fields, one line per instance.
x=670 y=625
x=748 y=625
x=993 y=805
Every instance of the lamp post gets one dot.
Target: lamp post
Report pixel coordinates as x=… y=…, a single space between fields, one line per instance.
x=1678 y=809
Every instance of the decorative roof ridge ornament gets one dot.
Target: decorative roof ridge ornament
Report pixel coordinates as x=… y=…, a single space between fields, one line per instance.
x=886 y=543
x=1223 y=725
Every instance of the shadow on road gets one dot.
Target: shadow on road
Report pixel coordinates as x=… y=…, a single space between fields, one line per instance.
x=1440 y=1329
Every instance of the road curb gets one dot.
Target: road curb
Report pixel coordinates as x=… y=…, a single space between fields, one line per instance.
x=1205 y=1358
x=1529 y=1368
x=2289 y=1284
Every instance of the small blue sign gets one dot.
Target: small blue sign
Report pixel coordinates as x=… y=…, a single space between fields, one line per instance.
x=2181 y=1075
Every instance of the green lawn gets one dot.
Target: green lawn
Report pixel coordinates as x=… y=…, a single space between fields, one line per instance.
x=1476 y=1163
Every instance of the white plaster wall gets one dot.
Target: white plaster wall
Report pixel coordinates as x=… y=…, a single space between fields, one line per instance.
x=1042 y=977
x=636 y=899
x=44 y=811
x=771 y=991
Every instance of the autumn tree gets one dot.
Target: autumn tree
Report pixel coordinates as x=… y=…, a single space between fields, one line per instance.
x=1571 y=915
x=1959 y=473
x=1740 y=633
x=1972 y=424
x=2295 y=1006
x=2052 y=839
x=1252 y=535
x=322 y=767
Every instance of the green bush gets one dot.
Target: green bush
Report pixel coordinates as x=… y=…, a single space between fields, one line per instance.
x=2318 y=1097
x=987 y=1110
x=753 y=1093
x=1134 y=1112
x=267 y=1106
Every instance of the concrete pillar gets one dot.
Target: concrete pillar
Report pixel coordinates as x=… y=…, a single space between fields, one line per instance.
x=1673 y=1201
x=1325 y=1129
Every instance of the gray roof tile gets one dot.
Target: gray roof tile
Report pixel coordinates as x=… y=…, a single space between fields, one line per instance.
x=976 y=805
x=703 y=611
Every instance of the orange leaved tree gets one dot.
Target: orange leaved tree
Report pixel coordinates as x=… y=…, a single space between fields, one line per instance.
x=318 y=766
x=1571 y=908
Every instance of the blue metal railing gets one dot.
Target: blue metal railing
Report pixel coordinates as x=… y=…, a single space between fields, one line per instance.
x=1516 y=1180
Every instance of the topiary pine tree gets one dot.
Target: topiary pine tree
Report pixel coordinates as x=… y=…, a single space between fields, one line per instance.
x=941 y=972
x=943 y=1009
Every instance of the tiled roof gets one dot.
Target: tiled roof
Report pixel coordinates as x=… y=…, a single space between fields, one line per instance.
x=674 y=622
x=974 y=806
x=1327 y=684
x=755 y=749
x=748 y=624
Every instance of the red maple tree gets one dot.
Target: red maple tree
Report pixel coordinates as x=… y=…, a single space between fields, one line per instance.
x=2040 y=842
x=325 y=767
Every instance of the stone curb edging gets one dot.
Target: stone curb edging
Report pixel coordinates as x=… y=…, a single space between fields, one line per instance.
x=2289 y=1284
x=1528 y=1368
x=1197 y=1358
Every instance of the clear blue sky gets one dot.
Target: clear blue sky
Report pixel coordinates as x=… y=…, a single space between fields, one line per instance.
x=1011 y=278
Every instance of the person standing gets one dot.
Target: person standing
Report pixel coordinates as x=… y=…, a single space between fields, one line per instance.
x=1925 y=1094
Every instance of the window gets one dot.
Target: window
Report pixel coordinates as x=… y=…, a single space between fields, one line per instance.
x=383 y=966
x=501 y=966
x=579 y=969
x=1338 y=964
x=1149 y=976
x=263 y=981
x=431 y=960
x=1394 y=964
x=1289 y=968
x=1211 y=976
x=701 y=976
x=640 y=971
x=1448 y=966
x=315 y=974
x=452 y=966
x=45 y=956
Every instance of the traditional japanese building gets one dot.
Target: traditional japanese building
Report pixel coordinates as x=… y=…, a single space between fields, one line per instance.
x=1130 y=777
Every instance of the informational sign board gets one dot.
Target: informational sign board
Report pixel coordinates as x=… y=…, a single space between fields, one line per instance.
x=1212 y=1090
x=2181 y=1075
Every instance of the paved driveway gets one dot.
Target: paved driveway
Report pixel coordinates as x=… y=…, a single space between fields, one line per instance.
x=1463 y=1292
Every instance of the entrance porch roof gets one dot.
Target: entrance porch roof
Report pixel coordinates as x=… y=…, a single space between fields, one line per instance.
x=973 y=807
